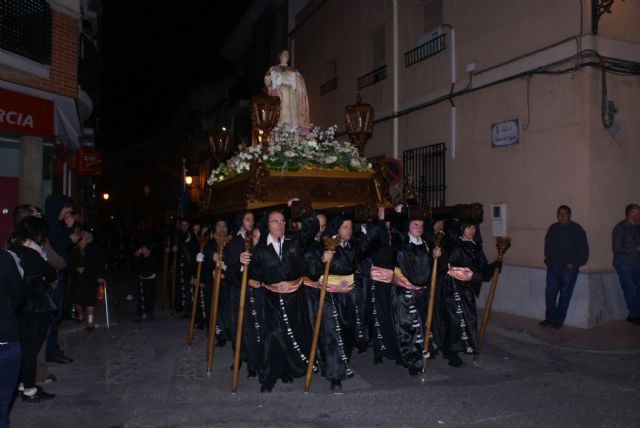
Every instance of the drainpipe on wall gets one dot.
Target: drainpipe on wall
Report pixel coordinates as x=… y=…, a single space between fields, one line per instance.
x=395 y=79
x=452 y=66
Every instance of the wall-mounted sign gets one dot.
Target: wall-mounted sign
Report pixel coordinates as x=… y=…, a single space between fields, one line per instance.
x=392 y=170
x=88 y=161
x=505 y=133
x=25 y=115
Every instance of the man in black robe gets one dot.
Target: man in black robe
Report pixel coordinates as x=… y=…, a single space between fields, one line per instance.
x=468 y=268
x=338 y=329
x=410 y=292
x=277 y=263
x=243 y=227
x=186 y=249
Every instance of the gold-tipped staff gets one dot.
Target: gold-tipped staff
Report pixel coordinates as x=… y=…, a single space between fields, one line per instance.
x=330 y=244
x=165 y=273
x=248 y=242
x=221 y=242
x=432 y=296
x=502 y=243
x=196 y=292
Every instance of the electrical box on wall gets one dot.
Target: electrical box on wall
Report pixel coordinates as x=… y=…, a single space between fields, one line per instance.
x=499 y=219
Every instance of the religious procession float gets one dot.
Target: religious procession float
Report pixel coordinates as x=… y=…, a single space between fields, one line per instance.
x=297 y=162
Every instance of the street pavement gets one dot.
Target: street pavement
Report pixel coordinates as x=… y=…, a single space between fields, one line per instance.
x=142 y=374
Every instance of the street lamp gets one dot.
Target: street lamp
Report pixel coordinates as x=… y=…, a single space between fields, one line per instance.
x=105 y=196
x=265 y=113
x=359 y=121
x=188 y=180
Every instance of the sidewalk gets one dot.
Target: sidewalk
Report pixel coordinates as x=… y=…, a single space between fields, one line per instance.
x=614 y=336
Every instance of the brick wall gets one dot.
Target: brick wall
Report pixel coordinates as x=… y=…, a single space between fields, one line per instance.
x=63 y=74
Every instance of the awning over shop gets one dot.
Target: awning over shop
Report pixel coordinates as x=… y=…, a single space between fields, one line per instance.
x=29 y=111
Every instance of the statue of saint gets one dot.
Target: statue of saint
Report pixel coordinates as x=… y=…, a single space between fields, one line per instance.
x=286 y=83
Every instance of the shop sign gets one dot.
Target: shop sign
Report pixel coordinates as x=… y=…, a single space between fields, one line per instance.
x=88 y=161
x=25 y=115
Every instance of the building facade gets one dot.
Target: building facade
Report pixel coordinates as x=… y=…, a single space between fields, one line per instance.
x=533 y=103
x=47 y=95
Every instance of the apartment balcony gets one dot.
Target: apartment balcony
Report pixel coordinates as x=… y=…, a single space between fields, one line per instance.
x=25 y=29
x=373 y=77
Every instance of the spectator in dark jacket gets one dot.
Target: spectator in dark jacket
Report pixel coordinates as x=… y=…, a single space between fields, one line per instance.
x=56 y=208
x=11 y=296
x=34 y=317
x=626 y=259
x=565 y=251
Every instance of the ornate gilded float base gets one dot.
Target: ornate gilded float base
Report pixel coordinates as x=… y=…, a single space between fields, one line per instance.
x=262 y=188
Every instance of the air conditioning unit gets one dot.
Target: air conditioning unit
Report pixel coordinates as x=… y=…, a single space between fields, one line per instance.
x=430 y=35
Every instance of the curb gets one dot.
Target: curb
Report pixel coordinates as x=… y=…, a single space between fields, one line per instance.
x=528 y=337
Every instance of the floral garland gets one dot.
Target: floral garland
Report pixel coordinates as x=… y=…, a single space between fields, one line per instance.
x=291 y=149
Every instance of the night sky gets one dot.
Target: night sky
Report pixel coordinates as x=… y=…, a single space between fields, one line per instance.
x=153 y=55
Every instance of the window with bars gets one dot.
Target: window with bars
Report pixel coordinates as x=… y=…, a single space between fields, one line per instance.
x=427 y=167
x=25 y=29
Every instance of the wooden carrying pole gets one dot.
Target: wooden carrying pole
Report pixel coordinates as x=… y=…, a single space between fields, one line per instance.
x=248 y=241
x=173 y=282
x=432 y=296
x=165 y=274
x=502 y=243
x=330 y=244
x=196 y=292
x=221 y=242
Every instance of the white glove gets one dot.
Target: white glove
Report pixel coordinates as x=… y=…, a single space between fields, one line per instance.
x=200 y=257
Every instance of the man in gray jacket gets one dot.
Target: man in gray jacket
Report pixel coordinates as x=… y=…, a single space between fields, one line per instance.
x=626 y=259
x=565 y=251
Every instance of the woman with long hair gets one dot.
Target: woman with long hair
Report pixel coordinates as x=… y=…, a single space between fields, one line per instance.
x=26 y=242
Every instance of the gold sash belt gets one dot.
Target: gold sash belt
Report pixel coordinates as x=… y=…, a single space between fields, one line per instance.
x=339 y=283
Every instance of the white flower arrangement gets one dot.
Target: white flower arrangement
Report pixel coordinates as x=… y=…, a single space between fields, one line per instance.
x=291 y=149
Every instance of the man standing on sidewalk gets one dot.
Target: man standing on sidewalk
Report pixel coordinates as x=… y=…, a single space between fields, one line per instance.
x=56 y=208
x=565 y=250
x=626 y=259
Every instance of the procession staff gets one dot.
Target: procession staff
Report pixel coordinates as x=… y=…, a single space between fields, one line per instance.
x=242 y=226
x=196 y=290
x=468 y=268
x=502 y=243
x=330 y=246
x=432 y=304
x=313 y=268
x=247 y=243
x=277 y=264
x=221 y=241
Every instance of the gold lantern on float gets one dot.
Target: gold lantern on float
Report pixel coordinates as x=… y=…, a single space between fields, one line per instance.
x=359 y=121
x=265 y=113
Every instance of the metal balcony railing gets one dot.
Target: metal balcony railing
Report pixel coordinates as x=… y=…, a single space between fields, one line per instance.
x=373 y=77
x=25 y=29
x=425 y=51
x=328 y=86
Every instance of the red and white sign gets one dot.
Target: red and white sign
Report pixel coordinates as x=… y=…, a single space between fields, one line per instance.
x=25 y=115
x=88 y=161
